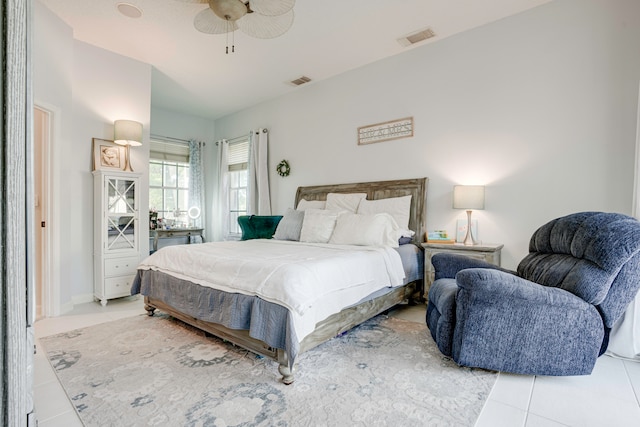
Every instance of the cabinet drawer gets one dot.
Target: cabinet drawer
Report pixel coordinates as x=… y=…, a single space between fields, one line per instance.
x=120 y=266
x=115 y=287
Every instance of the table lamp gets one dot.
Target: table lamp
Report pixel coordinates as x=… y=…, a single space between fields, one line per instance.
x=128 y=133
x=468 y=197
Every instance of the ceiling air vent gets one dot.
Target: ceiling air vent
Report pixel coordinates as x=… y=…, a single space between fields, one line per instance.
x=416 y=37
x=300 y=81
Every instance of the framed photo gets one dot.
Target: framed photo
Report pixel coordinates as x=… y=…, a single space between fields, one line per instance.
x=394 y=129
x=108 y=155
x=461 y=229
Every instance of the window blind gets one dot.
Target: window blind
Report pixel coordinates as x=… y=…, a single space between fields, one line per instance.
x=171 y=151
x=238 y=155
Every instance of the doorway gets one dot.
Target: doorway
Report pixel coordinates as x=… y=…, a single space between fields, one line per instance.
x=42 y=125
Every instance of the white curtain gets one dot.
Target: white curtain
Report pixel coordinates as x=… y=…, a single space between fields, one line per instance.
x=624 y=340
x=196 y=182
x=258 y=199
x=222 y=206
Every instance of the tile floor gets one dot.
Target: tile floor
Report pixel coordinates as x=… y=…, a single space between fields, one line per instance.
x=610 y=396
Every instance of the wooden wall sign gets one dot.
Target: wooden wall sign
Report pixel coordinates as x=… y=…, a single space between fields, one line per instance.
x=394 y=129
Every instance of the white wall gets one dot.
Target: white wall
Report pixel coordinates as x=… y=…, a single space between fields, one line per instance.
x=540 y=107
x=52 y=71
x=88 y=88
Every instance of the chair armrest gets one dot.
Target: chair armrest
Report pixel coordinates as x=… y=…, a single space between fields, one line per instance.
x=492 y=284
x=447 y=265
x=507 y=323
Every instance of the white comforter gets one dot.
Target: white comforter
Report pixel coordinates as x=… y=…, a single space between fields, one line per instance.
x=312 y=280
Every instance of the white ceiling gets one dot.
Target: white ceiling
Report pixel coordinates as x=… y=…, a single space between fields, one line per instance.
x=192 y=74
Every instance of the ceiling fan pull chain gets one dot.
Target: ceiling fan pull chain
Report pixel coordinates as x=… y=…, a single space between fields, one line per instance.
x=227 y=37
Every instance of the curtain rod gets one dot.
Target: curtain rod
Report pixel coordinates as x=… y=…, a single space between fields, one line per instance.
x=239 y=138
x=168 y=139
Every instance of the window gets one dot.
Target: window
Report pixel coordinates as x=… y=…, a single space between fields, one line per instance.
x=169 y=182
x=238 y=177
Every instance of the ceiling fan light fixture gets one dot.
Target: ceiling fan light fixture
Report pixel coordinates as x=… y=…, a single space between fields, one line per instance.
x=263 y=19
x=229 y=10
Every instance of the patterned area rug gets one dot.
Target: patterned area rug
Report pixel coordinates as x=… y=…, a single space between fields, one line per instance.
x=144 y=370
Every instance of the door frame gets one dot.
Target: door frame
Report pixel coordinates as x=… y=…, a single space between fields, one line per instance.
x=49 y=270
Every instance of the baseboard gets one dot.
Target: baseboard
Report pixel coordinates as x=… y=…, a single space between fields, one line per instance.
x=82 y=299
x=66 y=307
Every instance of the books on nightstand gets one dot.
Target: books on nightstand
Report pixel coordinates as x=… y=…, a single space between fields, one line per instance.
x=439 y=236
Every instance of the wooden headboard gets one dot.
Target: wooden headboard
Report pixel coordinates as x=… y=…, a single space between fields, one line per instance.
x=417 y=188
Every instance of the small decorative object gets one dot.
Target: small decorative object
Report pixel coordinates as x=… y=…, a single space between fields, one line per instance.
x=108 y=155
x=194 y=214
x=153 y=219
x=468 y=197
x=283 y=168
x=386 y=131
x=439 y=236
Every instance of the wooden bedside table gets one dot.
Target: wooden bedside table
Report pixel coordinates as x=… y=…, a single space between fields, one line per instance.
x=489 y=252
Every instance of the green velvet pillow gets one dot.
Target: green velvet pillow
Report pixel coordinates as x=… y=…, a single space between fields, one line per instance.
x=258 y=226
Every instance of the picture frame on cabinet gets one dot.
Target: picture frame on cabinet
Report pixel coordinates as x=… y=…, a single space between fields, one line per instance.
x=107 y=155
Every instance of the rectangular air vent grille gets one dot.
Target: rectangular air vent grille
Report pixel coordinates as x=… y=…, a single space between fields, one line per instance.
x=416 y=37
x=300 y=81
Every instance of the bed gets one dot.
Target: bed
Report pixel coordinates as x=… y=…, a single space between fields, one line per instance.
x=269 y=327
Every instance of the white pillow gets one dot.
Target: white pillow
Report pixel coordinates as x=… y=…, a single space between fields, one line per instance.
x=344 y=201
x=310 y=204
x=398 y=207
x=365 y=230
x=318 y=224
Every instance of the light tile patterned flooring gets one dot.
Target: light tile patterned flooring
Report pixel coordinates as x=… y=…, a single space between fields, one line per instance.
x=610 y=396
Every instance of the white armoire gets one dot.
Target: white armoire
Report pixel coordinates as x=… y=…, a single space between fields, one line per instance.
x=116 y=238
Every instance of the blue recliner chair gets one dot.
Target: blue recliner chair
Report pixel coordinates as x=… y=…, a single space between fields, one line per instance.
x=550 y=317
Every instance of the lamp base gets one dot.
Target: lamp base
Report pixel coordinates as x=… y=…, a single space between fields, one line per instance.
x=127 y=162
x=469 y=239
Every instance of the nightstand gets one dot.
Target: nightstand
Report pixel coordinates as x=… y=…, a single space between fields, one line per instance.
x=489 y=252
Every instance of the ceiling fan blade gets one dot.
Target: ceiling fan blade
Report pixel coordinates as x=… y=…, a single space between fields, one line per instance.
x=265 y=27
x=271 y=7
x=208 y=22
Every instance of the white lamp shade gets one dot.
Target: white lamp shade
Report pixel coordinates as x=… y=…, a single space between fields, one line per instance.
x=468 y=196
x=127 y=132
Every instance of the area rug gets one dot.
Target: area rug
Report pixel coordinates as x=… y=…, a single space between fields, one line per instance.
x=156 y=370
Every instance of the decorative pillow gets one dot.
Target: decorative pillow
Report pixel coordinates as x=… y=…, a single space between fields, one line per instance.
x=404 y=240
x=344 y=202
x=258 y=226
x=398 y=207
x=317 y=226
x=365 y=230
x=310 y=204
x=290 y=226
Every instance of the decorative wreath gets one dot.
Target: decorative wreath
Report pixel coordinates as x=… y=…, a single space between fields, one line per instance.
x=283 y=168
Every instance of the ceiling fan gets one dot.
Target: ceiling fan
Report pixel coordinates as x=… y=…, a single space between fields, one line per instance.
x=263 y=19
